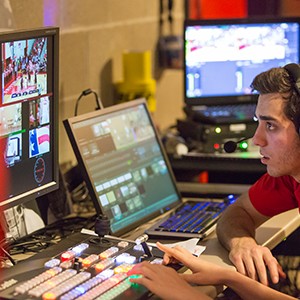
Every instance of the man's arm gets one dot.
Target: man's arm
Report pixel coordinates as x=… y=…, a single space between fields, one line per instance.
x=239 y=220
x=236 y=232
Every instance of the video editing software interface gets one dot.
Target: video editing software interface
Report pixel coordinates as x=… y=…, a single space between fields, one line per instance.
x=124 y=160
x=28 y=117
x=223 y=56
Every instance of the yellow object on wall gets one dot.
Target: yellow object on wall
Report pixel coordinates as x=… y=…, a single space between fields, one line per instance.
x=137 y=78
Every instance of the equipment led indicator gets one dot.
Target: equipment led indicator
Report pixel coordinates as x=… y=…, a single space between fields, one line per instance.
x=244 y=145
x=218 y=130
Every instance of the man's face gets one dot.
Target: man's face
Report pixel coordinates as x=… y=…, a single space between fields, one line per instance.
x=276 y=137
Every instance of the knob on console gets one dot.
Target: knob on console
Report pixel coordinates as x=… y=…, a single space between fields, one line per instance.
x=102 y=228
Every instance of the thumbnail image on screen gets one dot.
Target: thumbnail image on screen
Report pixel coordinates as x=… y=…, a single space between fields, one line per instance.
x=21 y=220
x=24 y=69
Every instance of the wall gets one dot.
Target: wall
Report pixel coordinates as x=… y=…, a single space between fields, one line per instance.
x=93 y=36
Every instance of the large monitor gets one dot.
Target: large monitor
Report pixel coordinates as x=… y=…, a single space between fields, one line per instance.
x=221 y=57
x=28 y=115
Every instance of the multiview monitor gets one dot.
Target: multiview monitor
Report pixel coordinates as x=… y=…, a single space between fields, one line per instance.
x=28 y=115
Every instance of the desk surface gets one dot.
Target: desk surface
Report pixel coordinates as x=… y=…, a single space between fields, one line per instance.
x=208 y=188
x=222 y=168
x=220 y=161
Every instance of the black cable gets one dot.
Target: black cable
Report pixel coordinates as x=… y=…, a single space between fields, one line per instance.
x=170 y=15
x=161 y=12
x=86 y=92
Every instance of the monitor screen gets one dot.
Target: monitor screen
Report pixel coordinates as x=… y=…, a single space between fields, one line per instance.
x=29 y=114
x=221 y=57
x=123 y=163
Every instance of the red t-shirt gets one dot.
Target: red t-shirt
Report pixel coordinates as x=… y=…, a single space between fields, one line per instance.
x=274 y=195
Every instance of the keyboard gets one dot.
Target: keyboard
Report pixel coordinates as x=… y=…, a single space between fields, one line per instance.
x=193 y=219
x=224 y=114
x=78 y=268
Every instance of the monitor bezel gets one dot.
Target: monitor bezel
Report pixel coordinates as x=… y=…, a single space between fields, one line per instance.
x=228 y=99
x=32 y=33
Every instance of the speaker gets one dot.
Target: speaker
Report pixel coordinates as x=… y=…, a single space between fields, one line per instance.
x=294 y=73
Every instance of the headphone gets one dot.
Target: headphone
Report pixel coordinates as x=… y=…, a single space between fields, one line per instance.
x=294 y=73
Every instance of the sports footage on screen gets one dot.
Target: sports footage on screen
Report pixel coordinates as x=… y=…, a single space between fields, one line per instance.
x=24 y=72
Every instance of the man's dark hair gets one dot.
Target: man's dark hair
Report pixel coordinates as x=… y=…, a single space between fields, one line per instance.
x=278 y=80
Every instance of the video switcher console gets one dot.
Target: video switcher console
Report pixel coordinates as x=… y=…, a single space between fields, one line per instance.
x=80 y=268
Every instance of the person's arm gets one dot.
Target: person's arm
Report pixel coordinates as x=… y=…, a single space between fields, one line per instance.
x=249 y=289
x=167 y=284
x=236 y=232
x=245 y=287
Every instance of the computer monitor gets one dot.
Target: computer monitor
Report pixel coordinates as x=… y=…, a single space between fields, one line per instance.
x=28 y=114
x=123 y=164
x=221 y=57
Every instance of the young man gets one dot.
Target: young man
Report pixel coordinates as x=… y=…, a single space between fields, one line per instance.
x=278 y=139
